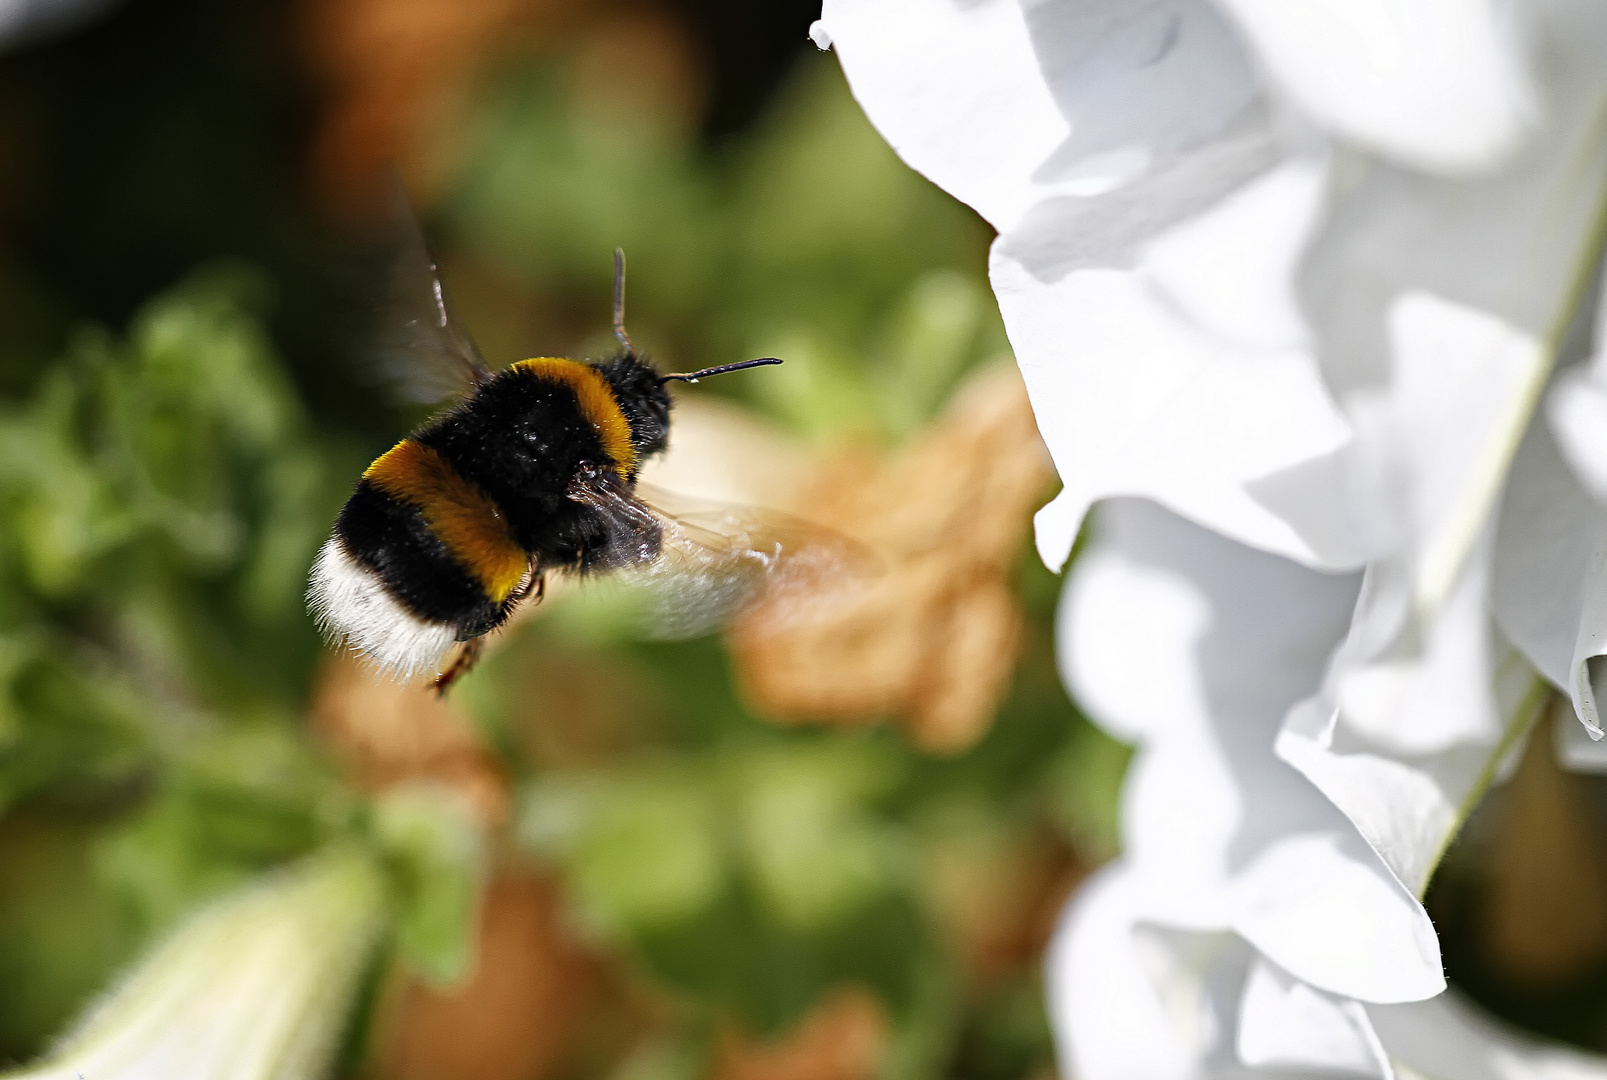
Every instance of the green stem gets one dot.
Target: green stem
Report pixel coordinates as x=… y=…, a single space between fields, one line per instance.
x=1536 y=703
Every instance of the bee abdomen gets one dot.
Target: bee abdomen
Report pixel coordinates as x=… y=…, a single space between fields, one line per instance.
x=420 y=558
x=469 y=524
x=354 y=606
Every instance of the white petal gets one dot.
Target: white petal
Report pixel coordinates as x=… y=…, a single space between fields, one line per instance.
x=1408 y=805
x=1422 y=695
x=1285 y=1023
x=1438 y=307
x=1437 y=394
x=1155 y=372
x=1440 y=84
x=1405 y=807
x=1458 y=404
x=1125 y=621
x=255 y=984
x=1554 y=532
x=1146 y=383
x=1551 y=534
x=1556 y=562
x=1195 y=646
x=1165 y=625
x=1438 y=380
x=1435 y=308
x=1003 y=103
x=1577 y=409
x=1189 y=821
x=956 y=90
x=1405 y=813
x=1588 y=685
x=1416 y=680
x=1323 y=907
x=1448 y=1037
x=1551 y=560
x=1125 y=1003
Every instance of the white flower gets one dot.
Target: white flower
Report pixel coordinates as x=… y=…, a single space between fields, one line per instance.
x=1248 y=923
x=1206 y=1005
x=1300 y=272
x=256 y=986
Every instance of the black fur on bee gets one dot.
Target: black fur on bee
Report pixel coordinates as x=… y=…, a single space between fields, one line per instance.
x=535 y=470
x=448 y=530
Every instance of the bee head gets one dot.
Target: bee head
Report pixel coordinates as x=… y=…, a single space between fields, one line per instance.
x=639 y=389
x=646 y=403
x=643 y=399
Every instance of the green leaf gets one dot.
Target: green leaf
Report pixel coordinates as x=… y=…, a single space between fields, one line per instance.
x=642 y=851
x=238 y=801
x=436 y=853
x=815 y=850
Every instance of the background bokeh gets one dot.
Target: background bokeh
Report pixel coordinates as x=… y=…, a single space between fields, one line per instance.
x=763 y=855
x=776 y=853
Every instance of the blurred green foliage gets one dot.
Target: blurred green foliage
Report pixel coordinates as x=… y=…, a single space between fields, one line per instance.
x=162 y=492
x=163 y=496
x=752 y=868
x=438 y=863
x=808 y=240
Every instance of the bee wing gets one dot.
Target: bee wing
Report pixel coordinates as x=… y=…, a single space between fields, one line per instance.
x=423 y=350
x=632 y=531
x=699 y=565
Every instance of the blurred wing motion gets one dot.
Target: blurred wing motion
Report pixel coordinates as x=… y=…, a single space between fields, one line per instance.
x=700 y=565
x=423 y=349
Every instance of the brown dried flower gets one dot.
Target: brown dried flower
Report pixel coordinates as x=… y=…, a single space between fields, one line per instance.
x=396 y=75
x=842 y=1038
x=517 y=1014
x=931 y=640
x=388 y=733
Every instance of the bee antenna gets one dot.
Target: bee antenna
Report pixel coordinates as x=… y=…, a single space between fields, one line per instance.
x=619 y=301
x=694 y=376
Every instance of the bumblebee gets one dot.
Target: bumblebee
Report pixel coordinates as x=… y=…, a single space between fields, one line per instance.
x=534 y=470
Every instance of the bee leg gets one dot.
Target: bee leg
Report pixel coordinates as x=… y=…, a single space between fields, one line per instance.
x=468 y=655
x=535 y=581
x=469 y=649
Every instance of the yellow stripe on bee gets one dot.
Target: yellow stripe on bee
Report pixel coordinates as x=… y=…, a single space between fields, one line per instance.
x=465 y=519
x=598 y=405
